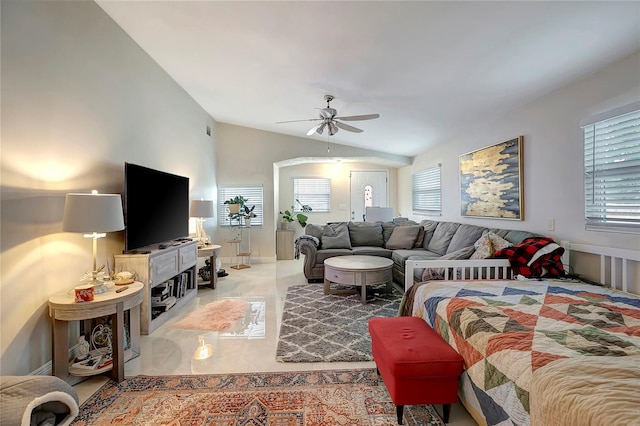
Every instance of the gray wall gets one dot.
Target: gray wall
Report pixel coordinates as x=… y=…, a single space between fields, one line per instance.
x=79 y=98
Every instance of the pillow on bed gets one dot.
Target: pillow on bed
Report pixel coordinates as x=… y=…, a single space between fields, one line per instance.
x=403 y=237
x=438 y=273
x=336 y=236
x=488 y=244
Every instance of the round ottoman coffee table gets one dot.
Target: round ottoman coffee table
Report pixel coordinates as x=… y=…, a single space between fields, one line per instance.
x=357 y=270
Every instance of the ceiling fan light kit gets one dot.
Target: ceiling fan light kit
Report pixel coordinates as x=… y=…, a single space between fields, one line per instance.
x=329 y=119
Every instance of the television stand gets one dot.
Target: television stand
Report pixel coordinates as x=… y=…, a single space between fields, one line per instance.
x=174 y=268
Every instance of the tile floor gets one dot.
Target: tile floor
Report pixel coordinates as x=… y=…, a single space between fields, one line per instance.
x=169 y=351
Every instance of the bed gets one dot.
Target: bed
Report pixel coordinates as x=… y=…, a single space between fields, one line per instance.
x=539 y=352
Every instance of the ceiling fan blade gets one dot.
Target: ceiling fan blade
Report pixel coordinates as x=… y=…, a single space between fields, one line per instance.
x=348 y=128
x=313 y=129
x=358 y=117
x=298 y=121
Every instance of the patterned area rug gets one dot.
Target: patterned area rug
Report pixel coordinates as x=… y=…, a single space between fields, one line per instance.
x=327 y=398
x=331 y=328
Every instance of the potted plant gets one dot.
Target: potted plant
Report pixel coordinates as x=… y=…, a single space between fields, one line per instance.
x=288 y=216
x=235 y=204
x=248 y=213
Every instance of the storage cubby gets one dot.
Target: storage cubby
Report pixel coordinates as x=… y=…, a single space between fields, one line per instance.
x=173 y=267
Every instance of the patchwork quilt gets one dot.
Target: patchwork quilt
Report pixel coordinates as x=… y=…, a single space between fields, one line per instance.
x=507 y=331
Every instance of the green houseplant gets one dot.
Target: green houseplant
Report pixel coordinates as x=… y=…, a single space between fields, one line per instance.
x=288 y=216
x=247 y=213
x=235 y=204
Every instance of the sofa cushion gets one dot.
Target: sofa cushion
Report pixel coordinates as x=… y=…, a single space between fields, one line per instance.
x=366 y=234
x=442 y=237
x=323 y=255
x=372 y=251
x=403 y=237
x=419 y=238
x=400 y=256
x=488 y=244
x=388 y=227
x=465 y=236
x=513 y=236
x=429 y=226
x=438 y=273
x=314 y=231
x=335 y=236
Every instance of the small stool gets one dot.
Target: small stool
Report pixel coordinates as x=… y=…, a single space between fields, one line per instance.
x=416 y=364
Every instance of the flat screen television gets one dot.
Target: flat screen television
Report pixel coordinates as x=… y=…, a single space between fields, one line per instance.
x=156 y=207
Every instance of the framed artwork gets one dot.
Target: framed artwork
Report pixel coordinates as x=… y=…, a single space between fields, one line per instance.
x=491 y=181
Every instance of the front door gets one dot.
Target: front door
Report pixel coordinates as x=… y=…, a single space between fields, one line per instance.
x=368 y=189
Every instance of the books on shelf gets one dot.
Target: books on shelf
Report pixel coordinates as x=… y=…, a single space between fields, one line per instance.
x=90 y=363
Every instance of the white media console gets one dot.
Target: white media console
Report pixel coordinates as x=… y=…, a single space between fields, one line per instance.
x=173 y=267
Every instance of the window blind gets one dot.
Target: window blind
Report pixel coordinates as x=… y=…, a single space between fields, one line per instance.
x=427 y=191
x=253 y=194
x=612 y=173
x=314 y=192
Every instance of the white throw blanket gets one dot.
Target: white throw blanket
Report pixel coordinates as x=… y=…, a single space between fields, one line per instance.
x=311 y=238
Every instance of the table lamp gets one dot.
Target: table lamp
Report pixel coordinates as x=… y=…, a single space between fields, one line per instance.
x=201 y=209
x=93 y=214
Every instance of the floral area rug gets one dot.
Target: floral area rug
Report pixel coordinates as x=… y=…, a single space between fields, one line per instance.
x=331 y=328
x=314 y=398
x=215 y=316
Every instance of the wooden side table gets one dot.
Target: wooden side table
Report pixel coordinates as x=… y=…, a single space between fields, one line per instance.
x=284 y=244
x=211 y=251
x=63 y=308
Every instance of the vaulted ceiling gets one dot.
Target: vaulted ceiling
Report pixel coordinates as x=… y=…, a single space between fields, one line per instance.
x=430 y=69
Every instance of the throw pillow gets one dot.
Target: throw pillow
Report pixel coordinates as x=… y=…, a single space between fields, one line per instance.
x=336 y=236
x=438 y=273
x=314 y=231
x=403 y=237
x=419 y=239
x=488 y=244
x=366 y=234
x=429 y=227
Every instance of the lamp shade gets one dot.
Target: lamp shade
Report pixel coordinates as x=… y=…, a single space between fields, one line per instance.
x=92 y=213
x=201 y=208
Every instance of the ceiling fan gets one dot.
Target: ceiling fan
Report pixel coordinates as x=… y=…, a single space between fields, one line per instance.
x=329 y=120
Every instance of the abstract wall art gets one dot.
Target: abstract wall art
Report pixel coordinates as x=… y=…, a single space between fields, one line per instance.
x=491 y=181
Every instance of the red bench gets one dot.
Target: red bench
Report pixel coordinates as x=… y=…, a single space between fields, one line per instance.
x=416 y=364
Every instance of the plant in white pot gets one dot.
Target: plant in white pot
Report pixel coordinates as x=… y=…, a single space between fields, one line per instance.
x=248 y=213
x=288 y=216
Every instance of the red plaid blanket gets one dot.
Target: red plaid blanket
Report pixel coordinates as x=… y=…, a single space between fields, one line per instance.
x=534 y=257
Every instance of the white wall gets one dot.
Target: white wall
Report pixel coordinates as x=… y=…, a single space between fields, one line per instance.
x=339 y=173
x=249 y=156
x=79 y=98
x=553 y=156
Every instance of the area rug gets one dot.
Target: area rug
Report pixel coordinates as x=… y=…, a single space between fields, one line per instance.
x=313 y=398
x=331 y=328
x=215 y=316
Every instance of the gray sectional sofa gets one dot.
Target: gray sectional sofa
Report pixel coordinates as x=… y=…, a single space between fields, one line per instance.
x=435 y=240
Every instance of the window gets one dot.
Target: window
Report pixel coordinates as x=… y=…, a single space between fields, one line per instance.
x=612 y=173
x=427 y=191
x=253 y=194
x=314 y=192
